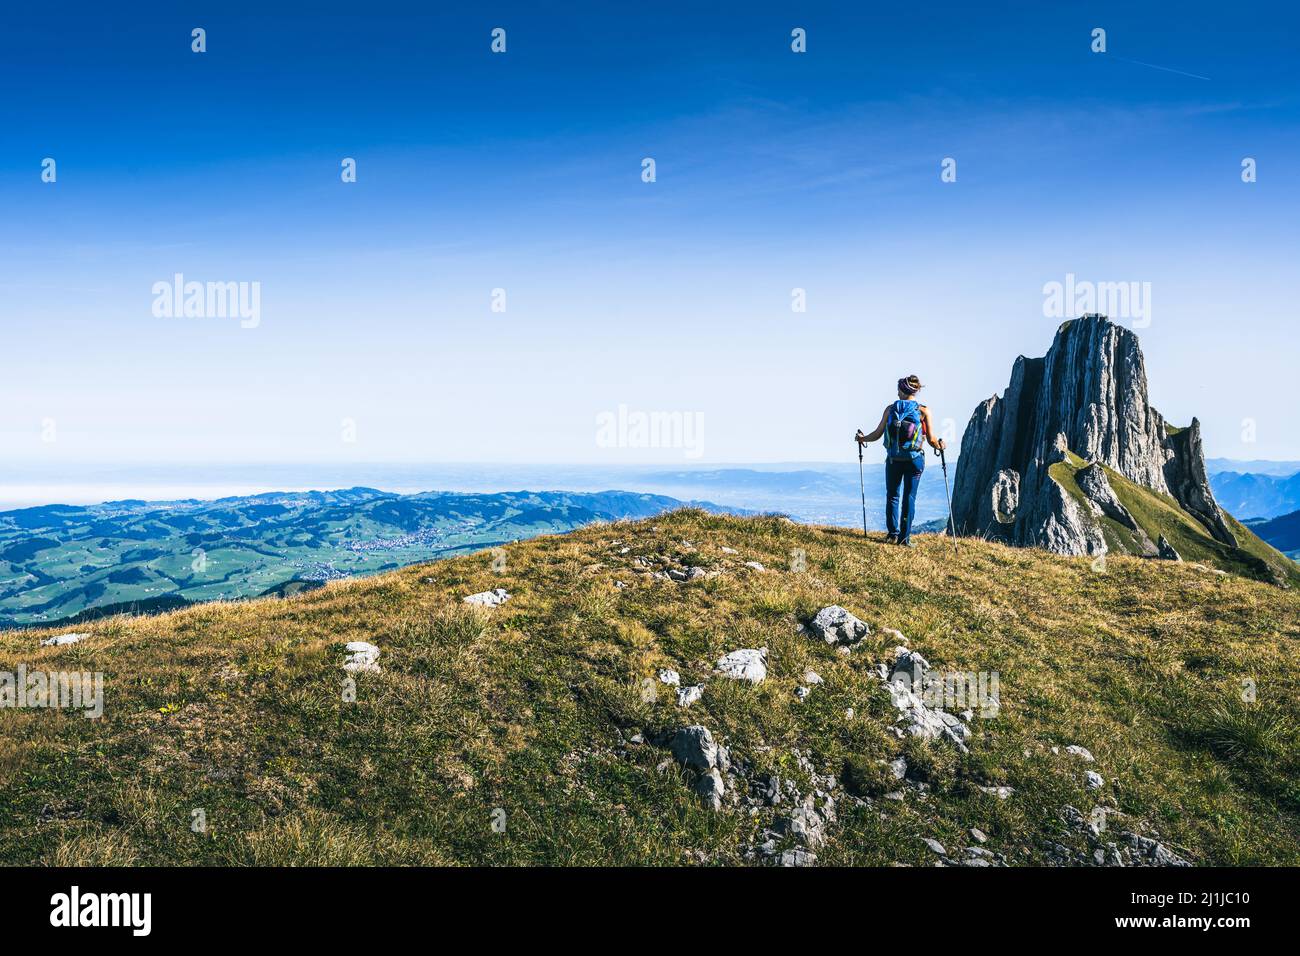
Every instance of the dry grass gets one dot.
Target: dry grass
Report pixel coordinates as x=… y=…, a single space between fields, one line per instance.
x=239 y=710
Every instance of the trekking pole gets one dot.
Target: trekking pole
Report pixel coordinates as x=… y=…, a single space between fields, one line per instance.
x=943 y=460
x=862 y=485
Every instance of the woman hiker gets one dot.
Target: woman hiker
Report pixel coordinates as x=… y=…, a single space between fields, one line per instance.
x=904 y=424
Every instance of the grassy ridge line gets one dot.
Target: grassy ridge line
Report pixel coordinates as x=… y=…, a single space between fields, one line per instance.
x=237 y=709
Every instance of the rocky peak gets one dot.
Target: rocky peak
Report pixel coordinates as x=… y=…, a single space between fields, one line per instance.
x=1087 y=397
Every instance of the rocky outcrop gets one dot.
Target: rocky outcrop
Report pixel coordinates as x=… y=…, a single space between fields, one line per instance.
x=1087 y=397
x=835 y=625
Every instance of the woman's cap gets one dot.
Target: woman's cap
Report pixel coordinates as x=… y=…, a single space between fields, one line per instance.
x=909 y=385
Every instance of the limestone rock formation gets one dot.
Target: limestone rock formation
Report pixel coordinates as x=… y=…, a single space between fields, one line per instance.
x=1087 y=397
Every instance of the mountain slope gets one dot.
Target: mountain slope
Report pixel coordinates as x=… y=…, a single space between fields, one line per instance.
x=1156 y=516
x=537 y=732
x=68 y=563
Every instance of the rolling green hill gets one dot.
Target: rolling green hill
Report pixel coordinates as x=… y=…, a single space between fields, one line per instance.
x=542 y=731
x=72 y=563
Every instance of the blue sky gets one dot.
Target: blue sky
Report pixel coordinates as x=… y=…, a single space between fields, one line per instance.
x=522 y=171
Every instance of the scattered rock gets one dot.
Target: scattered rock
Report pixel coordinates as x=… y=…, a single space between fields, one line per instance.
x=1076 y=821
x=904 y=680
x=801 y=692
x=745 y=664
x=362 y=657
x=835 y=625
x=798 y=857
x=493 y=598
x=1002 y=793
x=934 y=845
x=811 y=677
x=978 y=835
x=711 y=788
x=726 y=550
x=1165 y=551
x=670 y=677
x=805 y=824
x=755 y=565
x=689 y=695
x=62 y=640
x=694 y=747
x=1083 y=753
x=1093 y=780
x=898 y=768
x=894 y=635
x=1152 y=852
x=911 y=665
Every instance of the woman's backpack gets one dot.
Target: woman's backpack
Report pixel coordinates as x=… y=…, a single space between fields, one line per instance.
x=904 y=429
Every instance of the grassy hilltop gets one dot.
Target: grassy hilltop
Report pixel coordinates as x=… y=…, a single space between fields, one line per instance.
x=536 y=732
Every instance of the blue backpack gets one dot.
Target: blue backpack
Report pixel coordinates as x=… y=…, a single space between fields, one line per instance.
x=904 y=429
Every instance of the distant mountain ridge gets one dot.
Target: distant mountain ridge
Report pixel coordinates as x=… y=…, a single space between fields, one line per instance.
x=71 y=562
x=1256 y=494
x=1254 y=466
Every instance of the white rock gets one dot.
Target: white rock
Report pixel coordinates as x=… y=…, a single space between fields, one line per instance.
x=689 y=695
x=670 y=677
x=755 y=565
x=1092 y=779
x=1083 y=753
x=362 y=657
x=493 y=598
x=835 y=625
x=921 y=720
x=1002 y=793
x=63 y=639
x=978 y=835
x=934 y=845
x=726 y=550
x=811 y=677
x=801 y=692
x=898 y=768
x=745 y=664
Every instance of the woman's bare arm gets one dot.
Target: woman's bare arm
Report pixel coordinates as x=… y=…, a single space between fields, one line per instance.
x=880 y=429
